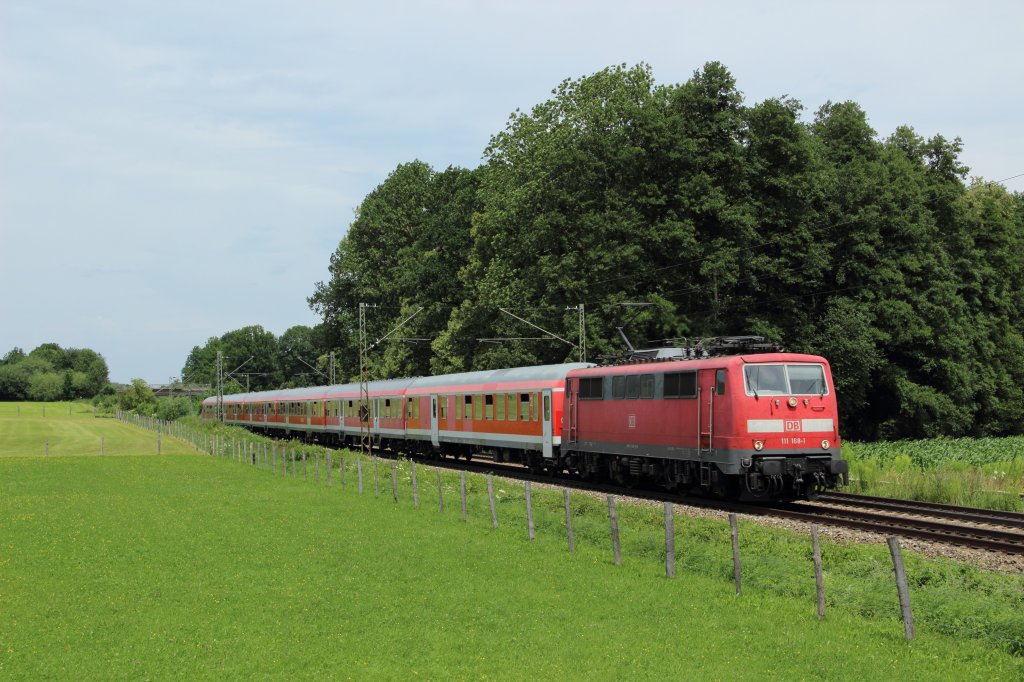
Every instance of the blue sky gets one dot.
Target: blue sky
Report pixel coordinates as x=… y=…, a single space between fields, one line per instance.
x=153 y=153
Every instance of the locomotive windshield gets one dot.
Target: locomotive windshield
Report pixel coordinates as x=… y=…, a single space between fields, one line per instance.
x=785 y=380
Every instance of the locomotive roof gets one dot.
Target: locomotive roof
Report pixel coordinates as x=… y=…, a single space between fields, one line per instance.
x=682 y=364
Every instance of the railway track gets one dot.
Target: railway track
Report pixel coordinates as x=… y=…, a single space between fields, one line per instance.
x=955 y=526
x=990 y=530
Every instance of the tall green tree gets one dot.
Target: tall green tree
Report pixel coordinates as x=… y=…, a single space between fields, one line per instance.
x=402 y=252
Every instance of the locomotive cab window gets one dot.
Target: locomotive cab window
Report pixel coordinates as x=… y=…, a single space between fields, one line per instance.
x=719 y=382
x=785 y=380
x=807 y=379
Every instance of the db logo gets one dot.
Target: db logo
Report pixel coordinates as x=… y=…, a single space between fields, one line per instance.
x=793 y=425
x=632 y=421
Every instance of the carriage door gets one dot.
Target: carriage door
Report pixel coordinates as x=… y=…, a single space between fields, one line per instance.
x=434 y=432
x=545 y=418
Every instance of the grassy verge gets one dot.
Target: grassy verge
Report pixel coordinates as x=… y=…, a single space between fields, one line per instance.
x=190 y=566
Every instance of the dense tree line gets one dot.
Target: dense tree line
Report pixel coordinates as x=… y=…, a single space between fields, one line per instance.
x=728 y=218
x=51 y=373
x=256 y=359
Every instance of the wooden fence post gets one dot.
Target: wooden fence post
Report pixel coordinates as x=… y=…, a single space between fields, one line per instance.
x=901 y=586
x=415 y=490
x=102 y=445
x=330 y=465
x=394 y=481
x=613 y=517
x=490 y=498
x=305 y=464
x=819 y=581
x=273 y=450
x=158 y=442
x=462 y=492
x=735 y=551
x=359 y=470
x=529 y=512
x=376 y=477
x=670 y=541
x=440 y=493
x=568 y=521
x=341 y=468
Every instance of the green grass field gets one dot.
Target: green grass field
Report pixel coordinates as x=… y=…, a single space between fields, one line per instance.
x=75 y=435
x=191 y=566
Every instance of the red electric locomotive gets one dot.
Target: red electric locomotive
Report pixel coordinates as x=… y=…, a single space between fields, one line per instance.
x=760 y=425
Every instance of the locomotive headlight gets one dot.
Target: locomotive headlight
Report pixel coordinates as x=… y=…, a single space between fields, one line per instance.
x=759 y=445
x=825 y=445
x=792 y=402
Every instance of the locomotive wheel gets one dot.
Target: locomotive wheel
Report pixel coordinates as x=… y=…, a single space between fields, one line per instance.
x=812 y=490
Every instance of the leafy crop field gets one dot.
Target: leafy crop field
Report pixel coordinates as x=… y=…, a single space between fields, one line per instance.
x=980 y=472
x=196 y=566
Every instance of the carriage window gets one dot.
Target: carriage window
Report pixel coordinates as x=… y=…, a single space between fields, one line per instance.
x=618 y=388
x=632 y=386
x=547 y=409
x=681 y=385
x=478 y=406
x=442 y=404
x=512 y=405
x=646 y=385
x=534 y=410
x=489 y=406
x=499 y=407
x=458 y=407
x=408 y=407
x=592 y=388
x=524 y=406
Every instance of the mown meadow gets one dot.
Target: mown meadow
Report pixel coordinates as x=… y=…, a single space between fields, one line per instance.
x=196 y=566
